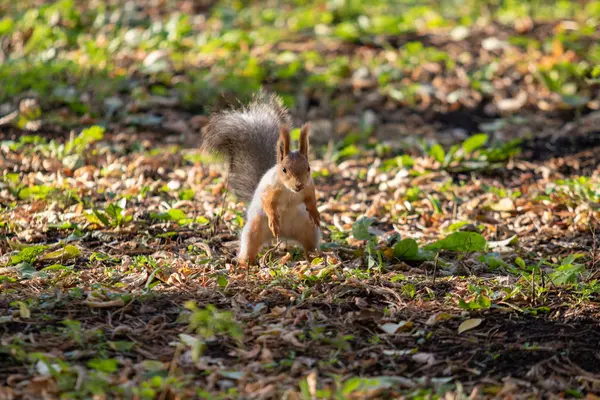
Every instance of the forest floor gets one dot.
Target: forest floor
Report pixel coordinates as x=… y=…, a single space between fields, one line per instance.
x=455 y=262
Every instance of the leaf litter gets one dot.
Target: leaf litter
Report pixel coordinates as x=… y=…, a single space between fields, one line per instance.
x=464 y=263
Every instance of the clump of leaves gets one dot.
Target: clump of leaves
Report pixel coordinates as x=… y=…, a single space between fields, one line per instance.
x=568 y=271
x=114 y=215
x=71 y=153
x=479 y=299
x=471 y=155
x=28 y=254
x=360 y=231
x=464 y=242
x=409 y=250
x=208 y=323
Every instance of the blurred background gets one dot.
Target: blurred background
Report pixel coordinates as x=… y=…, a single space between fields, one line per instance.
x=383 y=70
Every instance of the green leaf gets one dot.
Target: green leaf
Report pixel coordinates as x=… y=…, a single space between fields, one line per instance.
x=28 y=255
x=66 y=253
x=351 y=385
x=479 y=303
x=568 y=272
x=456 y=226
x=24 y=311
x=114 y=211
x=460 y=241
x=347 y=31
x=438 y=153
x=406 y=248
x=422 y=255
x=36 y=192
x=108 y=365
x=347 y=152
x=84 y=139
x=6 y=25
x=58 y=267
x=187 y=194
x=360 y=228
x=99 y=217
x=520 y=263
x=222 y=281
x=474 y=142
x=305 y=390
x=121 y=345
x=493 y=261
x=153 y=365
x=405 y=161
x=173 y=214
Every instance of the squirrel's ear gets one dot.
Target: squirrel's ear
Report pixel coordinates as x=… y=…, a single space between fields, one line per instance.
x=304 y=139
x=283 y=145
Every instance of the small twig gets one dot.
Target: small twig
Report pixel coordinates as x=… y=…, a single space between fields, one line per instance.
x=435 y=265
x=8 y=118
x=269 y=252
x=217 y=221
x=533 y=286
x=172 y=366
x=593 y=251
x=104 y=304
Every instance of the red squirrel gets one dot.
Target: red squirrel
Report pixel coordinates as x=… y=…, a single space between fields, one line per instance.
x=277 y=182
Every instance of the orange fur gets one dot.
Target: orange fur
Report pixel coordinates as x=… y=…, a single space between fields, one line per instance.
x=303 y=147
x=283 y=145
x=269 y=202
x=310 y=201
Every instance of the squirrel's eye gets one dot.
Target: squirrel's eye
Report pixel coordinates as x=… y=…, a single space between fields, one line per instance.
x=284 y=170
x=309 y=168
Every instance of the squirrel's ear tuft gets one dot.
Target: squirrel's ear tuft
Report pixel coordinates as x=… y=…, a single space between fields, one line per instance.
x=283 y=145
x=304 y=139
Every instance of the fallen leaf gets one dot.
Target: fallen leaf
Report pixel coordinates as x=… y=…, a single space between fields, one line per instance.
x=24 y=311
x=435 y=318
x=277 y=311
x=424 y=358
x=292 y=339
x=469 y=324
x=397 y=353
x=66 y=253
x=391 y=328
x=503 y=243
x=506 y=204
x=104 y=304
x=311 y=379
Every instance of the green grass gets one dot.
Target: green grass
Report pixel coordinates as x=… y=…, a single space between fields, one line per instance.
x=79 y=56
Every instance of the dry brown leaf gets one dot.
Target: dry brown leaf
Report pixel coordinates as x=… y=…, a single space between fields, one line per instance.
x=469 y=324
x=104 y=304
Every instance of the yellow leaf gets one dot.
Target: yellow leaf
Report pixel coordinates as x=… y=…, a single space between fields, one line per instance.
x=505 y=204
x=24 y=310
x=435 y=318
x=66 y=253
x=388 y=252
x=14 y=244
x=469 y=324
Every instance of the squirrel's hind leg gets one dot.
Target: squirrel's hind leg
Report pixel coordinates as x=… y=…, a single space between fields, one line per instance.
x=309 y=238
x=299 y=227
x=255 y=233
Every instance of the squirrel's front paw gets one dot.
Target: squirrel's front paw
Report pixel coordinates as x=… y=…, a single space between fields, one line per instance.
x=274 y=227
x=315 y=218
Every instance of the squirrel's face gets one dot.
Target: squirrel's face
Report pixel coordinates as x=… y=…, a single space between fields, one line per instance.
x=293 y=169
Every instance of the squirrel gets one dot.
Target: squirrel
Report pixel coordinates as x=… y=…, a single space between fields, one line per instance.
x=255 y=143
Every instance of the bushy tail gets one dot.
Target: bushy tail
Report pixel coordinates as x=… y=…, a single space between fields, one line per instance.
x=247 y=138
